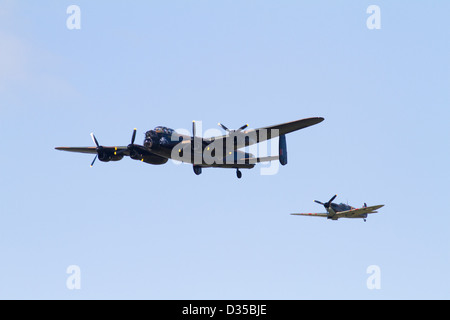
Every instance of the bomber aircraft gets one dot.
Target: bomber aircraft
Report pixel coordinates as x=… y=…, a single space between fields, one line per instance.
x=162 y=144
x=338 y=211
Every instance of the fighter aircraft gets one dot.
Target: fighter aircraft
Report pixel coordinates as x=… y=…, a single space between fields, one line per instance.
x=338 y=211
x=162 y=144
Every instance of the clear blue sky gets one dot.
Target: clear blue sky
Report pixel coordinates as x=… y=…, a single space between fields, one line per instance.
x=141 y=231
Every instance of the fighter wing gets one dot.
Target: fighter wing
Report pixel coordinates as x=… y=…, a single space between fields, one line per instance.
x=359 y=212
x=322 y=215
x=249 y=137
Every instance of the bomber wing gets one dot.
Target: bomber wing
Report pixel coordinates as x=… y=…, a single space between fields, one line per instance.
x=260 y=159
x=265 y=133
x=106 y=154
x=93 y=150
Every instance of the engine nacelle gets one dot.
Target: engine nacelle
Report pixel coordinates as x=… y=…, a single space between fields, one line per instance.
x=107 y=157
x=154 y=159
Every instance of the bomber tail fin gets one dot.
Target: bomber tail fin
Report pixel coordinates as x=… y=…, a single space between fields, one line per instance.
x=283 y=150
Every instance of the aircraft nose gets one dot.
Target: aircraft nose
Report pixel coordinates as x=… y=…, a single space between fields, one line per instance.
x=148 y=143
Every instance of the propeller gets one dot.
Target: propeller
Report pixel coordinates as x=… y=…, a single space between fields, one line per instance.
x=232 y=131
x=196 y=145
x=133 y=137
x=99 y=148
x=326 y=204
x=193 y=129
x=196 y=142
x=92 y=164
x=131 y=149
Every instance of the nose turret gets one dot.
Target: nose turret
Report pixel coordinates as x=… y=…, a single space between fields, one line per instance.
x=151 y=139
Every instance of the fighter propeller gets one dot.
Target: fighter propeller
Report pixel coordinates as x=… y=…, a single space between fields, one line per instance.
x=326 y=204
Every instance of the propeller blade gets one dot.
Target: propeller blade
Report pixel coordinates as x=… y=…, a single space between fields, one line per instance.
x=134 y=136
x=242 y=128
x=223 y=127
x=319 y=202
x=92 y=164
x=331 y=200
x=95 y=140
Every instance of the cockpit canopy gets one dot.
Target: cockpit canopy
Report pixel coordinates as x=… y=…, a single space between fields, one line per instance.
x=160 y=130
x=165 y=130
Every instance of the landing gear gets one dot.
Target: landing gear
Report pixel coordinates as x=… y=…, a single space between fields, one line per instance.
x=197 y=170
x=238 y=173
